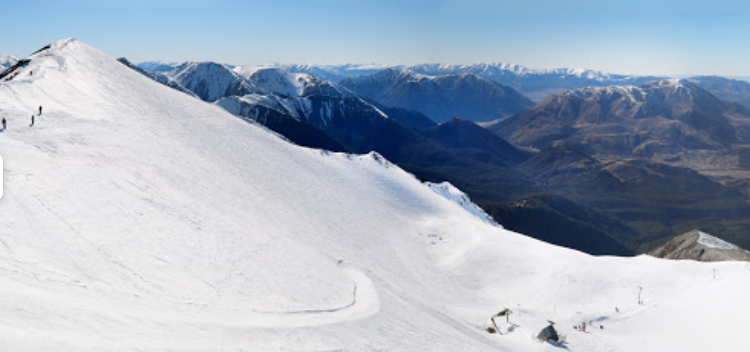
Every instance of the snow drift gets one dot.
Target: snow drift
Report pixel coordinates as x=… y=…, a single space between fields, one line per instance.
x=136 y=217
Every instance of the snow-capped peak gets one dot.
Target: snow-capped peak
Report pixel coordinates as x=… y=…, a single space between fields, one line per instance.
x=210 y=80
x=277 y=81
x=7 y=61
x=671 y=87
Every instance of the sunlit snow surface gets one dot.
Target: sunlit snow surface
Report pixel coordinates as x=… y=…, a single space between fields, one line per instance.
x=714 y=242
x=138 y=218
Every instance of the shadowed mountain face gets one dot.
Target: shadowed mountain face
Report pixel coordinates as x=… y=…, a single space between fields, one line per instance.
x=291 y=127
x=671 y=121
x=411 y=118
x=557 y=220
x=464 y=134
x=442 y=97
x=725 y=89
x=654 y=199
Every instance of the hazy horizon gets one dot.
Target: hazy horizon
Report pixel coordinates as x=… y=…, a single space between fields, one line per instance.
x=668 y=38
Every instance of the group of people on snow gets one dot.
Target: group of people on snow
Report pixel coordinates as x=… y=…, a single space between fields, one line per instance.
x=33 y=116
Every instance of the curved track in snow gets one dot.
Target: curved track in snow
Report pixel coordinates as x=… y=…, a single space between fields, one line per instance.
x=364 y=303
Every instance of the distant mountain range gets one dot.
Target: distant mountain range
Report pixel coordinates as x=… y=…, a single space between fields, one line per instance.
x=158 y=66
x=725 y=88
x=673 y=121
x=534 y=84
x=441 y=97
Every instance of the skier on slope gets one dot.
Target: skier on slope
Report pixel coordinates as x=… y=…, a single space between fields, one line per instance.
x=40 y=109
x=3 y=124
x=32 y=120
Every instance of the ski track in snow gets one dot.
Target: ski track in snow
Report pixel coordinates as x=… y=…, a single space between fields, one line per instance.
x=364 y=303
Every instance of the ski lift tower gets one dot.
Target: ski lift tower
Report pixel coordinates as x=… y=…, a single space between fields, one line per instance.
x=639 y=294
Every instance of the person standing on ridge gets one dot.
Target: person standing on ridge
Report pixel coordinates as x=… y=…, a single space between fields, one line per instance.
x=32 y=120
x=40 y=109
x=3 y=124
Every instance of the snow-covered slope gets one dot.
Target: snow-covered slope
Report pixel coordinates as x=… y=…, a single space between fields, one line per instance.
x=138 y=218
x=454 y=194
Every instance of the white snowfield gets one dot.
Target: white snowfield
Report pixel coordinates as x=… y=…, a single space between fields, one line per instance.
x=714 y=242
x=138 y=218
x=450 y=192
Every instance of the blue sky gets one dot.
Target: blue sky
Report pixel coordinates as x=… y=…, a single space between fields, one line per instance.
x=634 y=36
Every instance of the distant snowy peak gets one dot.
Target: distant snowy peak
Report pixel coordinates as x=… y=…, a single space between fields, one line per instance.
x=158 y=66
x=210 y=81
x=333 y=73
x=487 y=70
x=7 y=61
x=499 y=69
x=610 y=91
x=277 y=81
x=269 y=80
x=478 y=67
x=658 y=88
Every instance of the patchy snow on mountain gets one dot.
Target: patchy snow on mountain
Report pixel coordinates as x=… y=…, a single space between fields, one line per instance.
x=714 y=242
x=136 y=217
